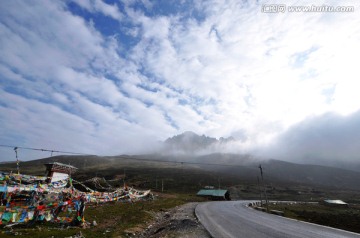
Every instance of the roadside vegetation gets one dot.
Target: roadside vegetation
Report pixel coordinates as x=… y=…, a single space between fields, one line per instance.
x=113 y=219
x=337 y=217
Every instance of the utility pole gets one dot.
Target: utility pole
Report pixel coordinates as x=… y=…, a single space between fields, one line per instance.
x=182 y=175
x=258 y=180
x=162 y=185
x=17 y=161
x=124 y=177
x=266 y=199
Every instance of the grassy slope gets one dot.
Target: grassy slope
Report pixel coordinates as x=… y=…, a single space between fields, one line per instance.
x=342 y=218
x=113 y=219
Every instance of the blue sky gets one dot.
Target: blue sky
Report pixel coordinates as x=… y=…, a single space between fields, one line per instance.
x=113 y=77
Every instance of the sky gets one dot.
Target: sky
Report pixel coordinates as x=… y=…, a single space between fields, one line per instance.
x=112 y=77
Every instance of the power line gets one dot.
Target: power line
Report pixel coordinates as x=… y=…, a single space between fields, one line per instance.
x=43 y=150
x=182 y=162
x=130 y=158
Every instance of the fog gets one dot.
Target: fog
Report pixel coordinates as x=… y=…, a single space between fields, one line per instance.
x=329 y=139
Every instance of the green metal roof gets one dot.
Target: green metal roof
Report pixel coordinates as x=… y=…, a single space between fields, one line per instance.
x=212 y=192
x=337 y=202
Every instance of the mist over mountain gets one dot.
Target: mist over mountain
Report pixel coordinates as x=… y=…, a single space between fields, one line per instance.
x=242 y=167
x=328 y=139
x=190 y=143
x=210 y=154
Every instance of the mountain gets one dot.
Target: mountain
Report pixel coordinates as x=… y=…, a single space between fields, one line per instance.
x=190 y=145
x=312 y=174
x=190 y=142
x=228 y=166
x=277 y=171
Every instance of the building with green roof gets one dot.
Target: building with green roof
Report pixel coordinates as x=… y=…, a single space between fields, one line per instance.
x=334 y=203
x=214 y=194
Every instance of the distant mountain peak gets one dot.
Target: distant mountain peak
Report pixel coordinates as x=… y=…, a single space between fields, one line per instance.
x=188 y=133
x=190 y=142
x=225 y=140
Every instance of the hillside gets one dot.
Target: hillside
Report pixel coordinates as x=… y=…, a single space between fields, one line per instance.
x=199 y=169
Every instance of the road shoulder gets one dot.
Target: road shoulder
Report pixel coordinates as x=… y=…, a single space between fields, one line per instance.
x=177 y=222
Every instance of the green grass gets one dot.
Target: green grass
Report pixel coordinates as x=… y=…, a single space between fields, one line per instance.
x=113 y=219
x=342 y=218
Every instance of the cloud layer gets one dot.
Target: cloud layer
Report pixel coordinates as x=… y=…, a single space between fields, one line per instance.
x=329 y=139
x=111 y=77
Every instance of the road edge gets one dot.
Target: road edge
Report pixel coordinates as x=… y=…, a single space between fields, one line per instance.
x=198 y=218
x=250 y=205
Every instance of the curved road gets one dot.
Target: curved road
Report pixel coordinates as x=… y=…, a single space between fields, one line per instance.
x=235 y=219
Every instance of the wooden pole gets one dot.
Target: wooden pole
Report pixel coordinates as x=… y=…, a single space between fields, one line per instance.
x=266 y=199
x=258 y=180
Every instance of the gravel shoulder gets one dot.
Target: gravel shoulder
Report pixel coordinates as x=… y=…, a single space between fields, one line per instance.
x=177 y=222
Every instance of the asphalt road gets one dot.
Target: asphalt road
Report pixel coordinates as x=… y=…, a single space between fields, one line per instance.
x=235 y=219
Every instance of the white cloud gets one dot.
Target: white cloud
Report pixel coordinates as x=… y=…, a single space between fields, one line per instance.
x=238 y=48
x=326 y=139
x=102 y=7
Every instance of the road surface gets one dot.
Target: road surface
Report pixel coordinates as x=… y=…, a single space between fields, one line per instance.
x=235 y=219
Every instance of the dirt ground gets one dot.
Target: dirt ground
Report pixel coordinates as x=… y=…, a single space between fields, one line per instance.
x=179 y=222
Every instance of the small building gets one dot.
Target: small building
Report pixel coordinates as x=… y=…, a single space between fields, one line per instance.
x=214 y=194
x=58 y=171
x=335 y=203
